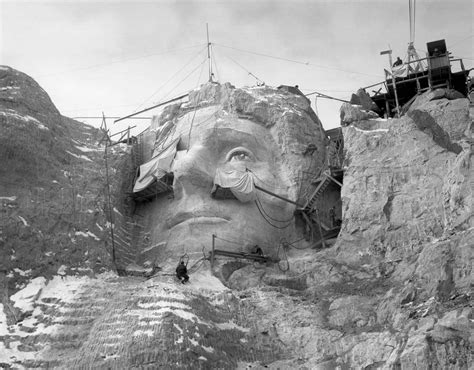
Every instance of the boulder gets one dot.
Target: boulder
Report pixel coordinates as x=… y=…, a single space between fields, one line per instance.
x=351 y=113
x=363 y=99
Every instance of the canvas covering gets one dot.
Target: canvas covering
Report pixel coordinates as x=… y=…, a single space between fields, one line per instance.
x=240 y=183
x=156 y=168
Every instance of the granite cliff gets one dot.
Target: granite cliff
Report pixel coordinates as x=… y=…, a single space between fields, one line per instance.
x=392 y=292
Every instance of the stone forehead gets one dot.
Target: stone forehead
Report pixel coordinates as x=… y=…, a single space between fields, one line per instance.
x=264 y=105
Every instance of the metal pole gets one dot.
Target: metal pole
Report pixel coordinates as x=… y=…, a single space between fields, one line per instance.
x=209 y=53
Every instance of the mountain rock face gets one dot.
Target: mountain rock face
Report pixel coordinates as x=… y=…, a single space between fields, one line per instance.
x=392 y=292
x=407 y=205
x=51 y=189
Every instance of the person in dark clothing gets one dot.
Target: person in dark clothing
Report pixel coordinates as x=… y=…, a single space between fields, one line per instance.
x=257 y=250
x=398 y=62
x=182 y=272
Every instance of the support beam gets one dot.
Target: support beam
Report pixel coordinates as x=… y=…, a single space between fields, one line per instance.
x=277 y=196
x=150 y=108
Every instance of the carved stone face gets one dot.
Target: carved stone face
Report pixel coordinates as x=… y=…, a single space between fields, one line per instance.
x=213 y=138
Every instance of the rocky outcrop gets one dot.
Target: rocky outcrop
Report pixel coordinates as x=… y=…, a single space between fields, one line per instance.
x=51 y=189
x=407 y=210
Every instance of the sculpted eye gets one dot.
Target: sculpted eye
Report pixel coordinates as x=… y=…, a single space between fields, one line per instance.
x=239 y=154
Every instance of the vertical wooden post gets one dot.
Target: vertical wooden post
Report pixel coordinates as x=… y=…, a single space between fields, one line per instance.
x=109 y=201
x=213 y=247
x=319 y=228
x=389 y=52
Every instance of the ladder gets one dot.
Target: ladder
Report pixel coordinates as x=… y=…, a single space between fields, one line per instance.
x=324 y=181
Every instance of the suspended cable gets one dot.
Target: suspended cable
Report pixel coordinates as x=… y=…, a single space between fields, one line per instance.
x=259 y=81
x=186 y=77
x=118 y=61
x=326 y=96
x=275 y=226
x=195 y=110
x=459 y=41
x=172 y=77
x=270 y=217
x=296 y=61
x=213 y=56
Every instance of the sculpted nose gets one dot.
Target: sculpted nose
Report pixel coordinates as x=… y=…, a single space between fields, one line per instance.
x=194 y=173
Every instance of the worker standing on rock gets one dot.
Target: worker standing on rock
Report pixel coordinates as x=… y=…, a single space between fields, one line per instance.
x=182 y=272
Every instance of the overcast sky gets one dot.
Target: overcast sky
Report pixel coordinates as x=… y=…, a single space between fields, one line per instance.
x=119 y=56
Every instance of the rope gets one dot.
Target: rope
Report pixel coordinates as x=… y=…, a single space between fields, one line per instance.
x=246 y=70
x=275 y=226
x=292 y=244
x=271 y=218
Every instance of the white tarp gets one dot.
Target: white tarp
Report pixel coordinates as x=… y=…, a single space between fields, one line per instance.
x=240 y=183
x=398 y=71
x=156 y=168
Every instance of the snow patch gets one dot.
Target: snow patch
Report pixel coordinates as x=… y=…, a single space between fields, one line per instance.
x=25 y=298
x=79 y=156
x=231 y=325
x=100 y=227
x=23 y=220
x=137 y=333
x=62 y=270
x=25 y=118
x=162 y=304
x=85 y=149
x=92 y=235
x=11 y=199
x=370 y=131
x=21 y=272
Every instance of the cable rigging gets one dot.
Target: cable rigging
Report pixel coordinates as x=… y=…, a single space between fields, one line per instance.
x=259 y=81
x=172 y=77
x=119 y=61
x=296 y=61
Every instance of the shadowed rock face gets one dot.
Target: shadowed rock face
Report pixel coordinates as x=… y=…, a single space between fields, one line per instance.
x=262 y=130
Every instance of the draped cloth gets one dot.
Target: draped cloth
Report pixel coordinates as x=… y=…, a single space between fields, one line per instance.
x=240 y=183
x=398 y=71
x=156 y=168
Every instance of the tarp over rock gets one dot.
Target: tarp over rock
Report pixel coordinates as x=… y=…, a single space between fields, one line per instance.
x=156 y=168
x=240 y=183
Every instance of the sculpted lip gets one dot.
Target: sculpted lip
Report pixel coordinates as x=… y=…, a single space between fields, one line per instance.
x=199 y=216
